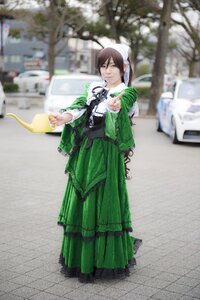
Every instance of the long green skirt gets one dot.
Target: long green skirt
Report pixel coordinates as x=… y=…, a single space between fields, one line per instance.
x=95 y=214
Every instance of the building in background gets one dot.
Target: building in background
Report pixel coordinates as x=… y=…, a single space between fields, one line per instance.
x=24 y=52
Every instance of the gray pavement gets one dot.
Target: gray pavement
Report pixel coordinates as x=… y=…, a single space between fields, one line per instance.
x=165 y=204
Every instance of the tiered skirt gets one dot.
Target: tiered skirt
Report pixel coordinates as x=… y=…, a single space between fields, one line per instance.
x=95 y=215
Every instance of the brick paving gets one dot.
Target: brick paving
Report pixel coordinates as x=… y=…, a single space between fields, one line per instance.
x=165 y=203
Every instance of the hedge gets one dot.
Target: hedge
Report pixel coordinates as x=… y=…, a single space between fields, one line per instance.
x=10 y=87
x=143 y=92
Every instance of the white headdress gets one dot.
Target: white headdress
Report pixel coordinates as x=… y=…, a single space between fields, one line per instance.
x=123 y=50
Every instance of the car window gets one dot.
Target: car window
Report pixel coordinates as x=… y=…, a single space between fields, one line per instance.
x=22 y=75
x=69 y=86
x=146 y=79
x=143 y=79
x=189 y=90
x=33 y=75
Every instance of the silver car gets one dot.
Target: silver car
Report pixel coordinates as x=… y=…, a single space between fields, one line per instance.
x=63 y=90
x=144 y=81
x=2 y=102
x=30 y=81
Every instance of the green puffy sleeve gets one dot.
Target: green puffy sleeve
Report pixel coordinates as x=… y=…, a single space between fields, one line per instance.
x=124 y=132
x=128 y=99
x=72 y=130
x=118 y=126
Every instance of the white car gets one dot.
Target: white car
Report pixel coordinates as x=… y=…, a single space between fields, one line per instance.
x=30 y=81
x=144 y=81
x=2 y=102
x=178 y=111
x=63 y=90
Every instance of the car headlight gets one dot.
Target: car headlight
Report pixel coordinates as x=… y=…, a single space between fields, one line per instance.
x=189 y=116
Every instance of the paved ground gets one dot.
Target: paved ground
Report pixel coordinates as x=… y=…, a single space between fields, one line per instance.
x=165 y=201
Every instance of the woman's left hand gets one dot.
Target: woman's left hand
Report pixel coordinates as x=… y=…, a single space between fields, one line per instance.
x=115 y=103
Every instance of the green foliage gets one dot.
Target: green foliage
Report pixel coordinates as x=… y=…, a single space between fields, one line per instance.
x=172 y=44
x=40 y=18
x=10 y=87
x=98 y=28
x=15 y=33
x=143 y=92
x=142 y=69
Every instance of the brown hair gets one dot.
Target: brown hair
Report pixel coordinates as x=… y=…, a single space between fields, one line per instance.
x=106 y=55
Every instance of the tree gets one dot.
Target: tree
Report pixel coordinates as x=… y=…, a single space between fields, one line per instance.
x=140 y=41
x=125 y=19
x=195 y=4
x=187 y=23
x=160 y=57
x=49 y=24
x=120 y=14
x=186 y=47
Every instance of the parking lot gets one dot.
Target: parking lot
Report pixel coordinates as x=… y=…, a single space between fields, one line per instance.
x=164 y=194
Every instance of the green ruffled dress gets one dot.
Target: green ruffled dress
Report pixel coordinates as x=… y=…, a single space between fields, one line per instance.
x=95 y=212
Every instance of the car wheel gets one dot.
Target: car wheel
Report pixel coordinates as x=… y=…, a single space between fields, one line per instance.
x=158 y=127
x=3 y=111
x=173 y=135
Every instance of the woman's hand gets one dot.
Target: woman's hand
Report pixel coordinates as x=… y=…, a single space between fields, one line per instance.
x=58 y=119
x=114 y=103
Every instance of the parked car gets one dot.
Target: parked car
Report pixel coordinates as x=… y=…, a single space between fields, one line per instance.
x=63 y=90
x=29 y=81
x=144 y=81
x=178 y=111
x=2 y=102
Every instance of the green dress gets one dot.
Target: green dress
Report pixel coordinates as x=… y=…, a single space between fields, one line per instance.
x=95 y=212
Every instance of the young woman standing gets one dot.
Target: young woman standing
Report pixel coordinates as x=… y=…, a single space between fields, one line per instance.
x=95 y=210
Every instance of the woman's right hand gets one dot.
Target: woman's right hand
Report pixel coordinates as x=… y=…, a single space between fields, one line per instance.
x=115 y=103
x=59 y=119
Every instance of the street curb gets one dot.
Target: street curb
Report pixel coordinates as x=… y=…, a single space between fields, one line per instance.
x=24 y=100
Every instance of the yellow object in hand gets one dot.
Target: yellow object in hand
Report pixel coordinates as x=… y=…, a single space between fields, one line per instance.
x=40 y=123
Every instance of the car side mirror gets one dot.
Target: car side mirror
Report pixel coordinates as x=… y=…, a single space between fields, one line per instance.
x=167 y=95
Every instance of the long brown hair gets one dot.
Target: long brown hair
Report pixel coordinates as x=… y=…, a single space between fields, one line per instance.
x=106 y=55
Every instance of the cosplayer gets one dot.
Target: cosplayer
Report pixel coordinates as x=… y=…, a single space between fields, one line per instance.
x=97 y=136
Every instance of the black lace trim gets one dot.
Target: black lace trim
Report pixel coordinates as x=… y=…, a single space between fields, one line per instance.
x=60 y=150
x=98 y=273
x=97 y=235
x=137 y=244
x=76 y=225
x=127 y=159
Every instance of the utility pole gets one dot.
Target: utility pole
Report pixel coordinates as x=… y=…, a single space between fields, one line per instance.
x=4 y=14
x=1 y=50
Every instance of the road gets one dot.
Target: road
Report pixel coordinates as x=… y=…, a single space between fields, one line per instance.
x=165 y=203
